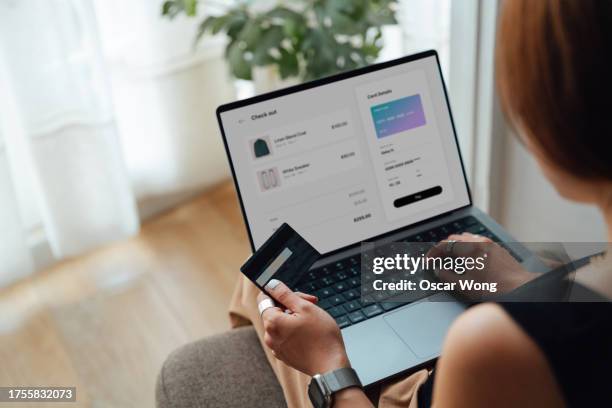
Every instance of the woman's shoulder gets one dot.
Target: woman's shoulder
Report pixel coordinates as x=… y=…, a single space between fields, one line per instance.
x=533 y=354
x=489 y=360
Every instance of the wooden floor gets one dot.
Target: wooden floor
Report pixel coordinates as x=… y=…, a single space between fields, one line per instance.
x=106 y=321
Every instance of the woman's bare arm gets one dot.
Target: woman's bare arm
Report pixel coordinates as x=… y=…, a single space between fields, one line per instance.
x=489 y=361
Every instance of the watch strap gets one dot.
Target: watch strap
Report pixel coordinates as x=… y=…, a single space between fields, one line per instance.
x=341 y=378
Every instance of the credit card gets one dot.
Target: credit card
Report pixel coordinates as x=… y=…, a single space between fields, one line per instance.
x=285 y=256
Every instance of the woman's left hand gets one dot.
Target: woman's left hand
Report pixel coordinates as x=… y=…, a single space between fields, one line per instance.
x=500 y=267
x=305 y=337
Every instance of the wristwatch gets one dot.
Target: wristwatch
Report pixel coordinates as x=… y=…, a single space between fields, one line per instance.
x=322 y=387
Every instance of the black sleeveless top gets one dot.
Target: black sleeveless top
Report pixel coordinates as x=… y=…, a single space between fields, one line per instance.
x=575 y=338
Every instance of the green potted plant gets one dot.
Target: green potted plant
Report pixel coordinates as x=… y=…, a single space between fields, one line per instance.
x=298 y=39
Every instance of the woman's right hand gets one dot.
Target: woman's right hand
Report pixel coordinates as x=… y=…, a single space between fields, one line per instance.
x=499 y=267
x=305 y=337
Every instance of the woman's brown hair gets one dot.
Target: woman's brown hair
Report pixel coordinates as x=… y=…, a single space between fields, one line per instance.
x=554 y=73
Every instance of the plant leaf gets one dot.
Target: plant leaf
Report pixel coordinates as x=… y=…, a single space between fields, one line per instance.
x=343 y=24
x=271 y=38
x=250 y=33
x=170 y=9
x=283 y=13
x=320 y=13
x=288 y=64
x=190 y=7
x=204 y=26
x=219 y=23
x=236 y=23
x=239 y=66
x=166 y=7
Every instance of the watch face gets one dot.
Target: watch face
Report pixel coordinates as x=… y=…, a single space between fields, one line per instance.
x=317 y=397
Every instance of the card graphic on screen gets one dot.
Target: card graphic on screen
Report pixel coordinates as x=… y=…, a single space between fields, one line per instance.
x=398 y=116
x=285 y=256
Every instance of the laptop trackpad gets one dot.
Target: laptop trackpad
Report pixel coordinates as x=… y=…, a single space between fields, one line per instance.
x=423 y=325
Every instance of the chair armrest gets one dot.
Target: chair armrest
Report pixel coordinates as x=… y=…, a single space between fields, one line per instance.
x=226 y=370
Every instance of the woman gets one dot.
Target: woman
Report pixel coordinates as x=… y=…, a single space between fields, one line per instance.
x=553 y=60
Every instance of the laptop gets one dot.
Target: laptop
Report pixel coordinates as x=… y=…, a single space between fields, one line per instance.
x=366 y=155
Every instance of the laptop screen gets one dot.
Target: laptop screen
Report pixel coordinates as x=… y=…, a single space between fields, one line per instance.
x=346 y=159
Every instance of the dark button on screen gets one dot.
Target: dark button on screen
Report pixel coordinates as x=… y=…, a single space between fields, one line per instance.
x=413 y=198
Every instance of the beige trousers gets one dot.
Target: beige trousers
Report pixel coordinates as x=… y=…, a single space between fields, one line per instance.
x=243 y=311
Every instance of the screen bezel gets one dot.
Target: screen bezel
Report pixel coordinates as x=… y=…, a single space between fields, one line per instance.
x=324 y=81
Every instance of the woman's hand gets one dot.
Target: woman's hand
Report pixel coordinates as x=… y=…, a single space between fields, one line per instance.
x=500 y=267
x=305 y=337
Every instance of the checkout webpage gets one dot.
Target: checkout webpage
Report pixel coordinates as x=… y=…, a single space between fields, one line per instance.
x=349 y=160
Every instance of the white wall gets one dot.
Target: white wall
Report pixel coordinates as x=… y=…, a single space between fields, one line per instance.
x=530 y=208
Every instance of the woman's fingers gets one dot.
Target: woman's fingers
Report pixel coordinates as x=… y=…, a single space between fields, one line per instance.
x=261 y=297
x=283 y=295
x=266 y=306
x=438 y=250
x=464 y=244
x=275 y=321
x=446 y=247
x=308 y=297
x=456 y=237
x=469 y=237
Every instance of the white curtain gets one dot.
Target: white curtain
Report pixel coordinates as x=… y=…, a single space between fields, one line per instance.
x=62 y=178
x=107 y=116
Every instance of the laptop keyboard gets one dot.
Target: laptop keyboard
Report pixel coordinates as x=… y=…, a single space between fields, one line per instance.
x=338 y=285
